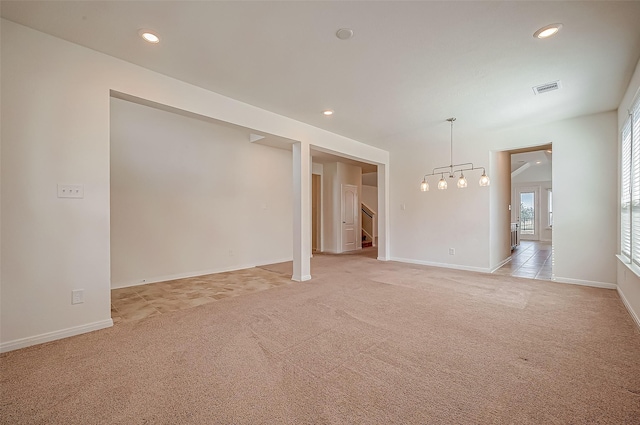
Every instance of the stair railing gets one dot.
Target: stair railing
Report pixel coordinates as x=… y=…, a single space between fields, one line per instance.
x=369 y=225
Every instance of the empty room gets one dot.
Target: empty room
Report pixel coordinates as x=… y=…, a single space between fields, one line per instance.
x=323 y=212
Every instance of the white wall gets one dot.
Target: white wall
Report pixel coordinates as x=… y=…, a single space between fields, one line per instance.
x=370 y=197
x=424 y=225
x=55 y=130
x=500 y=198
x=189 y=197
x=584 y=229
x=55 y=116
x=370 y=179
x=628 y=279
x=317 y=169
x=535 y=173
x=330 y=239
x=584 y=236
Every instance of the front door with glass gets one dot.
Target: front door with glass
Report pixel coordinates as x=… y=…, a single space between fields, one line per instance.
x=528 y=213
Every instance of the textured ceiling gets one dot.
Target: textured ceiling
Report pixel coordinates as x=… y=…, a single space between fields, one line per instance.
x=409 y=66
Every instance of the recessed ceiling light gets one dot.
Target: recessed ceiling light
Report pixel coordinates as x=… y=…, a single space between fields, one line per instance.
x=538 y=162
x=344 y=33
x=149 y=36
x=549 y=151
x=328 y=112
x=548 y=31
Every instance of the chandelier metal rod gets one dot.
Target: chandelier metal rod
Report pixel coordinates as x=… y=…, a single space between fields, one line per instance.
x=451 y=120
x=452 y=171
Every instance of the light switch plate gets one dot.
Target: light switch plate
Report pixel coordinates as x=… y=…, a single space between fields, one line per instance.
x=77 y=296
x=70 y=191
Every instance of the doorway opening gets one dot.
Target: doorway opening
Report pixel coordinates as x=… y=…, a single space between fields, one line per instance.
x=344 y=206
x=531 y=213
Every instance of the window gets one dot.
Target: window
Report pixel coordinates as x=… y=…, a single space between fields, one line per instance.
x=630 y=186
x=550 y=204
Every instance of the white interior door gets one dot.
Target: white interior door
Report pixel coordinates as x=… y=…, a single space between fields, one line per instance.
x=528 y=213
x=350 y=222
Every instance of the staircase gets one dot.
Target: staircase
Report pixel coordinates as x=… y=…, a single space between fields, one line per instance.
x=369 y=226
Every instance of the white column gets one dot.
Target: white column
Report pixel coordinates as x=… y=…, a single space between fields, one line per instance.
x=301 y=212
x=383 y=212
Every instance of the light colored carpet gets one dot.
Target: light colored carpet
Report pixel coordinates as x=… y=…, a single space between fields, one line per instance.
x=364 y=342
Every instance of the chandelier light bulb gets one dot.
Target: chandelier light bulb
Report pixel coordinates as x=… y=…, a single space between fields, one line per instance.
x=462 y=182
x=424 y=186
x=484 y=179
x=442 y=184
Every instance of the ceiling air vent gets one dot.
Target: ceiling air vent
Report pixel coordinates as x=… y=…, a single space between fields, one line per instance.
x=547 y=87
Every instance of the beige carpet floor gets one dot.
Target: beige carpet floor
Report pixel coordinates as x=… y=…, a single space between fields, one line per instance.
x=364 y=342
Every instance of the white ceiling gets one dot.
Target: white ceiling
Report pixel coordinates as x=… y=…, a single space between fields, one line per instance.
x=528 y=159
x=325 y=158
x=409 y=66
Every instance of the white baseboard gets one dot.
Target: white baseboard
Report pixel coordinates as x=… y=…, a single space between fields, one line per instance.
x=591 y=283
x=155 y=279
x=52 y=336
x=627 y=304
x=443 y=265
x=273 y=262
x=594 y=284
x=502 y=263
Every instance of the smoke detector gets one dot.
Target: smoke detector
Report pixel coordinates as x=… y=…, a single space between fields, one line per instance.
x=344 y=33
x=544 y=88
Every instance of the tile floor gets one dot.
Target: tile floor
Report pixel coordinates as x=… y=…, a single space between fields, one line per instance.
x=140 y=302
x=531 y=259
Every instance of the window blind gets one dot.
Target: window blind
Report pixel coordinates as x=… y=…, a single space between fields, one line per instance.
x=630 y=186
x=635 y=182
x=625 y=192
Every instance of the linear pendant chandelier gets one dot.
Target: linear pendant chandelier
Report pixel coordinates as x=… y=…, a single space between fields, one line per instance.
x=452 y=169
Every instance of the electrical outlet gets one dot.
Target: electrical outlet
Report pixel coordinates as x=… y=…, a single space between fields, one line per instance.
x=77 y=296
x=452 y=251
x=70 y=191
